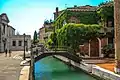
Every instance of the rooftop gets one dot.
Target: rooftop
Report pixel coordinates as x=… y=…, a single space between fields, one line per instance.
x=83 y=8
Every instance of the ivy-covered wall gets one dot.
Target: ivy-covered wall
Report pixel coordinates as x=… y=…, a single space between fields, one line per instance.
x=58 y=23
x=72 y=35
x=86 y=17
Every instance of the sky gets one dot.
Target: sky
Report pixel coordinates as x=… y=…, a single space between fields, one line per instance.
x=26 y=16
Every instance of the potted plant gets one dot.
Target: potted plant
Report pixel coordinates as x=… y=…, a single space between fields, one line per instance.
x=108 y=50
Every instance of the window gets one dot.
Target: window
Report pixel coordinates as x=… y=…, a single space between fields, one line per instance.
x=20 y=43
x=0 y=34
x=4 y=28
x=14 y=43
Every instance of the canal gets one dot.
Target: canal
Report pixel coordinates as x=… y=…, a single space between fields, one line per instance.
x=50 y=68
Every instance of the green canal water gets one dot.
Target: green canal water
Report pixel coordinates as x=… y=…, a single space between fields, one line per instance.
x=50 y=68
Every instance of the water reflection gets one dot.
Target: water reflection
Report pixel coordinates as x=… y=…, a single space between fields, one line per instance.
x=52 y=69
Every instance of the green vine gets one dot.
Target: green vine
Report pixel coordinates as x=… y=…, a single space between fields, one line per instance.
x=72 y=35
x=82 y=17
x=88 y=17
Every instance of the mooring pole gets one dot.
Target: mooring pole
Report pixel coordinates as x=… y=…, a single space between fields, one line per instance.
x=32 y=76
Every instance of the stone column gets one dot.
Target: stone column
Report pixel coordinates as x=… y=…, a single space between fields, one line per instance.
x=117 y=34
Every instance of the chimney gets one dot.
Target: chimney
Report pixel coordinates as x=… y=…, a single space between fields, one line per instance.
x=56 y=11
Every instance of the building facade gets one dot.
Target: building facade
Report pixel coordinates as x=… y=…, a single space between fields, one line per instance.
x=17 y=42
x=81 y=14
x=75 y=14
x=8 y=39
x=45 y=31
x=41 y=34
x=5 y=32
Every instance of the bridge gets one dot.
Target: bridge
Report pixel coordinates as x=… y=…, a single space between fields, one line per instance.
x=60 y=53
x=40 y=52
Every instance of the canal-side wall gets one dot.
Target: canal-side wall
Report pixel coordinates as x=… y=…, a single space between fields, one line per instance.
x=83 y=66
x=96 y=70
x=92 y=69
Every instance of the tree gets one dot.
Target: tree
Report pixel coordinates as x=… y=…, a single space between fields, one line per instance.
x=35 y=40
x=46 y=22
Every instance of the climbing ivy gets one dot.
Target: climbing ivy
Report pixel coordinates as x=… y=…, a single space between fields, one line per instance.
x=72 y=35
x=58 y=23
x=86 y=17
x=106 y=11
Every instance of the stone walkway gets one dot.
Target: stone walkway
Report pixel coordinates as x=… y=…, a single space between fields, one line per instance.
x=9 y=66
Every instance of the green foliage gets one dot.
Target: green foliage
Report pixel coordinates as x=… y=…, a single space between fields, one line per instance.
x=72 y=35
x=108 y=49
x=106 y=2
x=49 y=29
x=53 y=39
x=60 y=20
x=106 y=11
x=48 y=21
x=89 y=17
x=49 y=43
x=82 y=17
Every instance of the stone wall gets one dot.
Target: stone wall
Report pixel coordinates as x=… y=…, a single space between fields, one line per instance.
x=93 y=69
x=83 y=66
x=103 y=73
x=42 y=33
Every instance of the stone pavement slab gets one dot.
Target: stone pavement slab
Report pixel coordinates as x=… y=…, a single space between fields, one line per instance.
x=9 y=67
x=24 y=73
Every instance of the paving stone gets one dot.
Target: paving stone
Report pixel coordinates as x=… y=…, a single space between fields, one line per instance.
x=9 y=67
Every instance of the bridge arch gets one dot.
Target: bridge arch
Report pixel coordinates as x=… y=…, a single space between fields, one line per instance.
x=64 y=54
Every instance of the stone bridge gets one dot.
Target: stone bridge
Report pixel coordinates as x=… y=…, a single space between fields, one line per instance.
x=61 y=53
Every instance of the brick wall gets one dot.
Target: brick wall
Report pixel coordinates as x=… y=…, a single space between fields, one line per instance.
x=104 y=42
x=84 y=48
x=94 y=47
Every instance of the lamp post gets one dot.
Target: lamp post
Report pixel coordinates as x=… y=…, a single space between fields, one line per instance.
x=24 y=47
x=27 y=45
